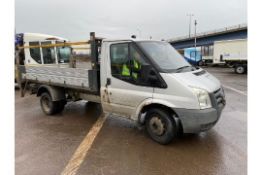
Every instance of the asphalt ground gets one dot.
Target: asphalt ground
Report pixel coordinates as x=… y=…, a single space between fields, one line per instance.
x=77 y=141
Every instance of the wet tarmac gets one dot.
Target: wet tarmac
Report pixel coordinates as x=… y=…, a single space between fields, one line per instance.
x=44 y=144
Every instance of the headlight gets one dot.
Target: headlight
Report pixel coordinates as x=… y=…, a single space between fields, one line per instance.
x=203 y=98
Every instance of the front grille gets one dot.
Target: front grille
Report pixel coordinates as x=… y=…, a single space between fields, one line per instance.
x=219 y=97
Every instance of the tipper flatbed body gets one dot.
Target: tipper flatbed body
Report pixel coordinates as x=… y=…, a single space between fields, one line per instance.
x=65 y=72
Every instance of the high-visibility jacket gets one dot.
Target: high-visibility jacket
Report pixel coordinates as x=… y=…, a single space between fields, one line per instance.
x=126 y=70
x=137 y=67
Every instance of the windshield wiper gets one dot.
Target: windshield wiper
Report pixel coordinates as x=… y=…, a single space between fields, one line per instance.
x=181 y=68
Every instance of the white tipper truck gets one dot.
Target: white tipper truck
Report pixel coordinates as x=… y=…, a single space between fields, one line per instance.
x=146 y=81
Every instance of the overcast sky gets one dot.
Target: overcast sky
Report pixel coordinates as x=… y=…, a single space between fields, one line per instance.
x=161 y=19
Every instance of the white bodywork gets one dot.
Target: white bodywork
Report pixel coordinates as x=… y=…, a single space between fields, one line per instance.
x=230 y=50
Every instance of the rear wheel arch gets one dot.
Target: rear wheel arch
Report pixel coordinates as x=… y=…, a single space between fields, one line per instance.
x=56 y=93
x=42 y=90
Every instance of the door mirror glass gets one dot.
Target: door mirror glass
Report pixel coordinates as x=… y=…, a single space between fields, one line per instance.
x=150 y=75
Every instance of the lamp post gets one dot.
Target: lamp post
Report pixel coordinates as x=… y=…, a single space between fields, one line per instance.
x=190 y=17
x=195 y=32
x=195 y=42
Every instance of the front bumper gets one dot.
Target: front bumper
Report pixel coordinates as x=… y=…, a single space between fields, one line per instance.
x=196 y=120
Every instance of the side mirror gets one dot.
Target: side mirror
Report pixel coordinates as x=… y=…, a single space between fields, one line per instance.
x=152 y=76
x=149 y=75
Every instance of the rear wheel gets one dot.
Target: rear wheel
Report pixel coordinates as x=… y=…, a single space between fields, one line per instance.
x=160 y=126
x=48 y=106
x=61 y=106
x=240 y=69
x=201 y=63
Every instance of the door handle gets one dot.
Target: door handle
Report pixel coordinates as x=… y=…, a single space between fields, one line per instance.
x=108 y=81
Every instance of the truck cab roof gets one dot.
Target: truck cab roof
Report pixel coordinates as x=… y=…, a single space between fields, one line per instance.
x=128 y=39
x=39 y=37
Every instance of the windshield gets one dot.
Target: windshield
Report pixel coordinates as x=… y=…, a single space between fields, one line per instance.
x=164 y=55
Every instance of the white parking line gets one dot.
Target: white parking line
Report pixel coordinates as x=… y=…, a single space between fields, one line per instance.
x=79 y=155
x=236 y=90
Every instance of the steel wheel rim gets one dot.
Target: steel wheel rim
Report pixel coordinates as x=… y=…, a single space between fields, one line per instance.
x=45 y=103
x=240 y=69
x=157 y=126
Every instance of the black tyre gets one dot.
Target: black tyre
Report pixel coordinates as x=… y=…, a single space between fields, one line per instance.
x=160 y=126
x=240 y=69
x=61 y=106
x=48 y=106
x=201 y=63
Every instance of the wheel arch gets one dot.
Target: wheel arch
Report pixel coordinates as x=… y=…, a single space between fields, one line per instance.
x=161 y=104
x=56 y=93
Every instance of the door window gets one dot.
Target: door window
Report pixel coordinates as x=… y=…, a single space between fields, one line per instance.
x=128 y=64
x=35 y=52
x=48 y=53
x=120 y=67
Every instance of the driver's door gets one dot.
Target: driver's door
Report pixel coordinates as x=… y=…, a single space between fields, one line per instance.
x=126 y=87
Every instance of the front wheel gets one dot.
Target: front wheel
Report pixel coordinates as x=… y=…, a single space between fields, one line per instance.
x=160 y=126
